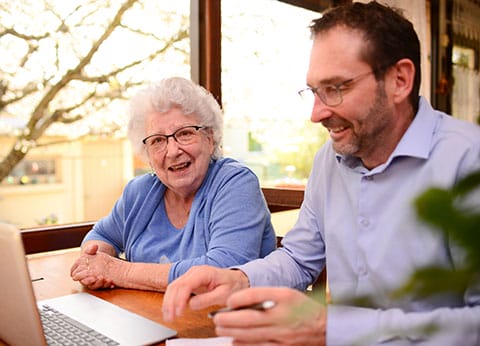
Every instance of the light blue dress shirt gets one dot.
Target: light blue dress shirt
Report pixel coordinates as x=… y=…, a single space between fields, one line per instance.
x=361 y=223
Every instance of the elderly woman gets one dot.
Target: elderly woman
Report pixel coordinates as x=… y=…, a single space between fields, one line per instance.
x=196 y=208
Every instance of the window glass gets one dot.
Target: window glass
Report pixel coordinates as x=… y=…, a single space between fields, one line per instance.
x=265 y=52
x=465 y=100
x=39 y=171
x=68 y=69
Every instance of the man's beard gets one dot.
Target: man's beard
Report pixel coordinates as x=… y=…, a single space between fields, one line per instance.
x=377 y=118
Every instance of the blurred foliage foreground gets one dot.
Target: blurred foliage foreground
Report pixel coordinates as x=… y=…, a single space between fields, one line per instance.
x=456 y=213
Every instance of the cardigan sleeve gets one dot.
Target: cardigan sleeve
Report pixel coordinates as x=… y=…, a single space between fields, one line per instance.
x=236 y=223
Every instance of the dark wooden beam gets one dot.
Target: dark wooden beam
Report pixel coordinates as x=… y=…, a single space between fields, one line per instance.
x=210 y=37
x=56 y=237
x=316 y=5
x=279 y=199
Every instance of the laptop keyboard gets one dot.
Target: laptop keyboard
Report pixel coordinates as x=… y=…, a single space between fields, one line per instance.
x=62 y=330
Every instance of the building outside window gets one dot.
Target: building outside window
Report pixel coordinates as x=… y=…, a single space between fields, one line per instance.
x=65 y=63
x=34 y=171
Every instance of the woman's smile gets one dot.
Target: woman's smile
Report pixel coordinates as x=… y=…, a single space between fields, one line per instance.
x=179 y=166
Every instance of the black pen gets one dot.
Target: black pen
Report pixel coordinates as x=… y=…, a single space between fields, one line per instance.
x=265 y=305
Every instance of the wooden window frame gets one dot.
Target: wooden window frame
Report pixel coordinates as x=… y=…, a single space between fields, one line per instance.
x=205 y=33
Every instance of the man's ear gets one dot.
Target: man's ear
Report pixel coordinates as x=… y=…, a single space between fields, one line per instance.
x=401 y=76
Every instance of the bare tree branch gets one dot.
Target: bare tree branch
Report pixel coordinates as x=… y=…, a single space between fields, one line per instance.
x=43 y=104
x=67 y=90
x=105 y=77
x=26 y=91
x=13 y=32
x=59 y=115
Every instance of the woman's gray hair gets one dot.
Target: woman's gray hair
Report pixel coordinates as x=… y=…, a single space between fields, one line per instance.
x=166 y=94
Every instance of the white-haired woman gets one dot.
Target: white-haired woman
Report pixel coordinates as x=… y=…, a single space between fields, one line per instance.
x=197 y=208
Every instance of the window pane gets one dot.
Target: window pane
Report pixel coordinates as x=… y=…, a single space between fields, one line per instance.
x=465 y=100
x=59 y=67
x=265 y=52
x=33 y=171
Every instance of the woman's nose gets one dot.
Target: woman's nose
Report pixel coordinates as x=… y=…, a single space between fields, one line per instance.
x=172 y=146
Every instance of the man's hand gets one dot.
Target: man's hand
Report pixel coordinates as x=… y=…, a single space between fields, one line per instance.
x=295 y=319
x=211 y=285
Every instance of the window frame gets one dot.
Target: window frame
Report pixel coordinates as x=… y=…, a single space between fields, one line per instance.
x=205 y=36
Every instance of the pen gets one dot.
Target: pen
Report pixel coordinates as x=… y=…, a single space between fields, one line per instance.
x=37 y=279
x=265 y=305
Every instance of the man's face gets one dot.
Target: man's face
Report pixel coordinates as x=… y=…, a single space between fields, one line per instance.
x=360 y=124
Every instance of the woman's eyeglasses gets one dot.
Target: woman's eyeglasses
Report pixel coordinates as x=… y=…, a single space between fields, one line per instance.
x=183 y=136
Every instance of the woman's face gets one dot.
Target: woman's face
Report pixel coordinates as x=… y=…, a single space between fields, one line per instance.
x=181 y=168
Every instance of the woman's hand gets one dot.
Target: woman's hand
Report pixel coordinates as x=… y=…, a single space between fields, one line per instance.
x=95 y=269
x=294 y=320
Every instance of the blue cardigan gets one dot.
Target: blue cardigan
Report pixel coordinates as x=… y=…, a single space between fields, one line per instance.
x=229 y=222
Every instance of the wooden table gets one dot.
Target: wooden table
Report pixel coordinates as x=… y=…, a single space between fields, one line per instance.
x=54 y=268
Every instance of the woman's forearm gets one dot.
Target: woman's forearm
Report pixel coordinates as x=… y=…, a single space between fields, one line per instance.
x=143 y=276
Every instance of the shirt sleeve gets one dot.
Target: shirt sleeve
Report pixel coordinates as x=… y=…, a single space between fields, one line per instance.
x=347 y=325
x=109 y=229
x=129 y=212
x=301 y=258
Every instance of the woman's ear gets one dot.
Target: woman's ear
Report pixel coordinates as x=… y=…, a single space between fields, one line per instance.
x=211 y=140
x=402 y=76
x=151 y=167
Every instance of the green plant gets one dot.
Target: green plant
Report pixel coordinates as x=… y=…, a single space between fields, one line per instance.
x=51 y=219
x=456 y=213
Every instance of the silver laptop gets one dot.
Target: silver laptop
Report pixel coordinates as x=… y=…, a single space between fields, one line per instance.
x=20 y=322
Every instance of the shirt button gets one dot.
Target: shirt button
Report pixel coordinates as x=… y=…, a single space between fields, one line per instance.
x=362 y=270
x=364 y=222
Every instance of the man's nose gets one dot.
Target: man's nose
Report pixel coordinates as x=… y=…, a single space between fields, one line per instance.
x=320 y=111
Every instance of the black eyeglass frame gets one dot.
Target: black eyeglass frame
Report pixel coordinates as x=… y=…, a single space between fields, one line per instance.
x=172 y=135
x=319 y=91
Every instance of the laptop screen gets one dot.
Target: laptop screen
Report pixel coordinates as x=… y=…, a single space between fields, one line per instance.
x=20 y=322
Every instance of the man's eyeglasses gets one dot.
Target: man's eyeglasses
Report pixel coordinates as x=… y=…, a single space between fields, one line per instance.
x=184 y=135
x=331 y=95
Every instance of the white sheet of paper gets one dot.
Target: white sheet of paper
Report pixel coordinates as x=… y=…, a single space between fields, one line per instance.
x=218 y=341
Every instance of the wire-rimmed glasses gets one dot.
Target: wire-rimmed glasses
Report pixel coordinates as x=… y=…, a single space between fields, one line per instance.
x=183 y=136
x=331 y=95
